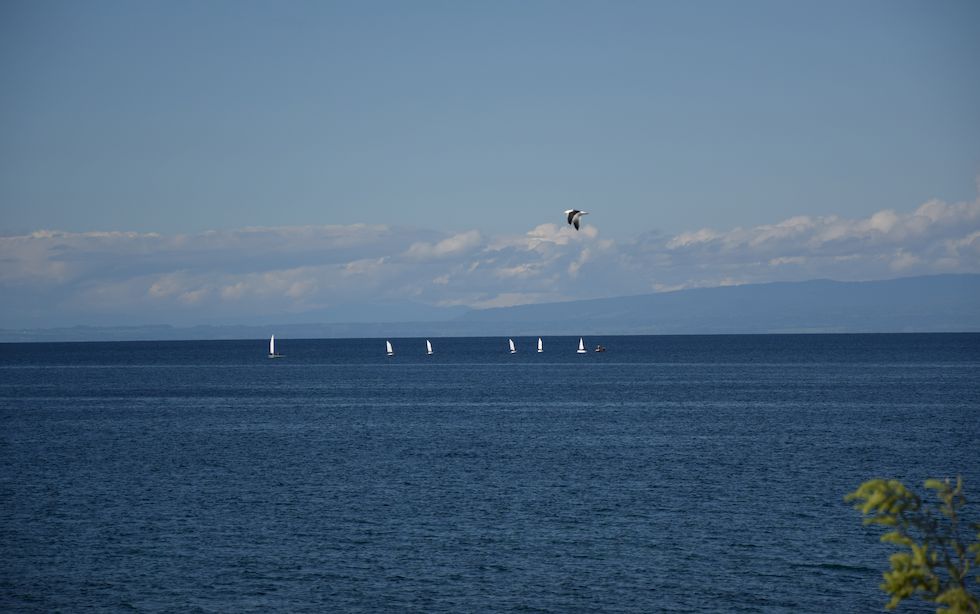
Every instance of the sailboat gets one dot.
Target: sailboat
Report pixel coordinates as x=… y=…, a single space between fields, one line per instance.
x=581 y=346
x=540 y=345
x=428 y=347
x=513 y=350
x=272 y=348
x=391 y=351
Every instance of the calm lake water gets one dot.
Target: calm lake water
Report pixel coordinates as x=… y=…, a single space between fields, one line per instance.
x=668 y=473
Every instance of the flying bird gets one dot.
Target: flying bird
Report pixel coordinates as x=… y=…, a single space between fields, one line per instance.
x=574 y=215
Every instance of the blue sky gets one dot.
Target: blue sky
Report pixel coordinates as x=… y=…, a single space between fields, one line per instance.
x=477 y=124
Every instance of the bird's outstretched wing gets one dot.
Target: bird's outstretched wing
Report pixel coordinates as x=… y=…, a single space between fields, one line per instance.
x=575 y=223
x=571 y=214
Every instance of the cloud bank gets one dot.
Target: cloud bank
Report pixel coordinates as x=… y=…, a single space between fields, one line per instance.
x=335 y=273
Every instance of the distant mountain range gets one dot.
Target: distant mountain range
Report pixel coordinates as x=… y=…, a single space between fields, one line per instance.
x=937 y=303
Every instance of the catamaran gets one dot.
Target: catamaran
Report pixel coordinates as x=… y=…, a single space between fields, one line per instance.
x=272 y=348
x=581 y=346
x=389 y=349
x=540 y=345
x=428 y=347
x=513 y=350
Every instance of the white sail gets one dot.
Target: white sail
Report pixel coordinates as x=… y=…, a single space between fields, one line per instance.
x=540 y=345
x=513 y=349
x=581 y=346
x=428 y=347
x=390 y=350
x=272 y=347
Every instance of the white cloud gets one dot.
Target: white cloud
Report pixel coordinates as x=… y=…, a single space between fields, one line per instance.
x=232 y=276
x=233 y=292
x=904 y=260
x=576 y=265
x=166 y=285
x=192 y=297
x=452 y=246
x=967 y=244
x=365 y=266
x=529 y=269
x=504 y=299
x=787 y=260
x=935 y=237
x=705 y=235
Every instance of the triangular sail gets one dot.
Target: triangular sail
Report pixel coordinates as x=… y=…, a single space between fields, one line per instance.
x=540 y=345
x=512 y=348
x=272 y=348
x=581 y=346
x=428 y=346
x=389 y=348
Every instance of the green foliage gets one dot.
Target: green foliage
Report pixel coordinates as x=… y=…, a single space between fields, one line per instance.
x=933 y=562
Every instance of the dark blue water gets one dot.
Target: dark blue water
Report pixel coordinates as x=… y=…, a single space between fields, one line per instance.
x=669 y=473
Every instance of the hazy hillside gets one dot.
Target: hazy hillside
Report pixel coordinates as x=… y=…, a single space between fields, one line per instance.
x=933 y=303
x=943 y=303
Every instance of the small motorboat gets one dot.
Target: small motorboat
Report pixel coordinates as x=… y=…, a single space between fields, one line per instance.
x=600 y=348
